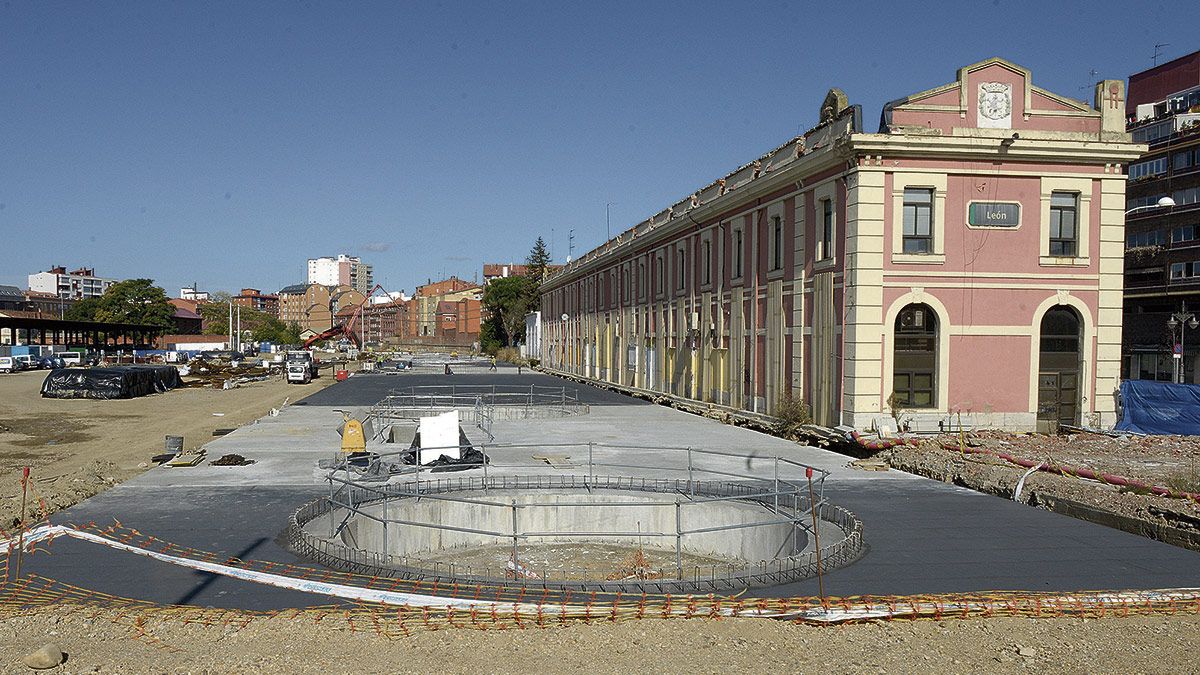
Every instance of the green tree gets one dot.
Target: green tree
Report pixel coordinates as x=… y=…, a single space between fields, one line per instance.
x=262 y=326
x=130 y=301
x=489 y=335
x=538 y=260
x=507 y=301
x=84 y=310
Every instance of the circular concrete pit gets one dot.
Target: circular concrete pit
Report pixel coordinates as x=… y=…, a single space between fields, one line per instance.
x=599 y=533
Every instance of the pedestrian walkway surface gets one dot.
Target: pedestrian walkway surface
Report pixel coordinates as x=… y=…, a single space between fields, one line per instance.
x=922 y=536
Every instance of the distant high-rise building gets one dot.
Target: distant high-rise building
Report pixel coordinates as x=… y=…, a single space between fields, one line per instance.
x=343 y=270
x=78 y=284
x=192 y=293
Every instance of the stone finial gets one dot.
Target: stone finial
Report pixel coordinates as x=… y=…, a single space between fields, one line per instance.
x=1110 y=101
x=835 y=102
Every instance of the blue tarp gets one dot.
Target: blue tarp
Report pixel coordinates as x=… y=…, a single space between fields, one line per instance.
x=1161 y=408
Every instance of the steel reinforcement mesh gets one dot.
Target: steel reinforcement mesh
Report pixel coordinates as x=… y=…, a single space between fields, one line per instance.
x=500 y=607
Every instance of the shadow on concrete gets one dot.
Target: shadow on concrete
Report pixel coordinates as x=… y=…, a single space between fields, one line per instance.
x=209 y=577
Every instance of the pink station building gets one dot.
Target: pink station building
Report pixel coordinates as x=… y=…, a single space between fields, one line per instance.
x=964 y=263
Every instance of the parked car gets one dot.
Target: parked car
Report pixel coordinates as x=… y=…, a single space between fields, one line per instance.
x=8 y=365
x=27 y=362
x=51 y=362
x=70 y=358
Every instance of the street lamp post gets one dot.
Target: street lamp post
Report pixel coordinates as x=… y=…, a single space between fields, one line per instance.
x=1183 y=320
x=1163 y=203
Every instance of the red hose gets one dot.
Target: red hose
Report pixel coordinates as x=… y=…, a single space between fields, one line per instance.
x=880 y=443
x=1061 y=469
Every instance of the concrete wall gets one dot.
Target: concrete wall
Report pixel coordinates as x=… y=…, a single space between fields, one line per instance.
x=751 y=544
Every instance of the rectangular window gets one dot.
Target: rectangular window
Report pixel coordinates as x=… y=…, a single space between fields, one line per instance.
x=1185 y=270
x=1185 y=197
x=1150 y=238
x=1184 y=234
x=707 y=262
x=825 y=245
x=682 y=256
x=1064 y=235
x=660 y=262
x=738 y=250
x=1182 y=161
x=641 y=280
x=918 y=220
x=1148 y=168
x=776 y=243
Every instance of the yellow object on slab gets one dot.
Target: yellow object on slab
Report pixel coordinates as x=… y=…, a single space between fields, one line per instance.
x=353 y=439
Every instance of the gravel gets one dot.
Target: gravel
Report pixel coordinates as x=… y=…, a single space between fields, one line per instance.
x=300 y=645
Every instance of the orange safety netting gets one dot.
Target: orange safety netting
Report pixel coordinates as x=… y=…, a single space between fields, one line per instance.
x=498 y=606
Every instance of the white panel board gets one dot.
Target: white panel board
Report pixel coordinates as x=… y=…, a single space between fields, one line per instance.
x=439 y=431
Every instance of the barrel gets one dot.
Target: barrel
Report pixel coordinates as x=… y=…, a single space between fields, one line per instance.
x=174 y=445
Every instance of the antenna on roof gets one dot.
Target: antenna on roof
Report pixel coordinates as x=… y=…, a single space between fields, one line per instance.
x=1091 y=82
x=1158 y=50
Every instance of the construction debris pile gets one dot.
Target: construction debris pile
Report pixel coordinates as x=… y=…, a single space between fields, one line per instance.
x=224 y=374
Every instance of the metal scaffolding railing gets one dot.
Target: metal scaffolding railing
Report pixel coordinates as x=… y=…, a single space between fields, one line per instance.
x=784 y=493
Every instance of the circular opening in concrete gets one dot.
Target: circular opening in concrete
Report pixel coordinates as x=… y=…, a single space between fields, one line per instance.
x=607 y=533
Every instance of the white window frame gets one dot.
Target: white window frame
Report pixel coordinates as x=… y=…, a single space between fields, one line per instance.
x=929 y=181
x=737 y=244
x=825 y=252
x=1082 y=187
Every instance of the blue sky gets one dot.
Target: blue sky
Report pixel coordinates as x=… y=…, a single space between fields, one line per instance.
x=225 y=143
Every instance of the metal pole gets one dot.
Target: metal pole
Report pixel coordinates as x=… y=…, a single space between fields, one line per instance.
x=678 y=541
x=331 y=506
x=516 y=560
x=776 y=484
x=21 y=535
x=1183 y=330
x=591 y=470
x=812 y=506
x=483 y=449
x=691 y=481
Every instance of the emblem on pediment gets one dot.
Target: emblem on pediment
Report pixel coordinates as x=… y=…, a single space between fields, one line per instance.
x=995 y=100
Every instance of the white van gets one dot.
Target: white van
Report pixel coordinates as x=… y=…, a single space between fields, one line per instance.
x=70 y=358
x=7 y=365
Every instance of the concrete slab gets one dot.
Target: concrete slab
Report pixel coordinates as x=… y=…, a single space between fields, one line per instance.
x=922 y=536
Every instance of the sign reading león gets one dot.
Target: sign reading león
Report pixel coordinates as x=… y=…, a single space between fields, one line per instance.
x=994 y=214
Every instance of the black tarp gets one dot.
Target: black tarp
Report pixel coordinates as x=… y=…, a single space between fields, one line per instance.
x=108 y=383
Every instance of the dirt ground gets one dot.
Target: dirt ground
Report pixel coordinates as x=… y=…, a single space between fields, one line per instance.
x=289 y=645
x=1169 y=461
x=76 y=448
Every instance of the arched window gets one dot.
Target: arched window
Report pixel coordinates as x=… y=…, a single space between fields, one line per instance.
x=1060 y=331
x=914 y=369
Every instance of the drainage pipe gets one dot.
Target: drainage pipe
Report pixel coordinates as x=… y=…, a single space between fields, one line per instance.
x=1080 y=472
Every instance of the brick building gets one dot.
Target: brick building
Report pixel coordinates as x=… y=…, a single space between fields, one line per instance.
x=268 y=303
x=1162 y=242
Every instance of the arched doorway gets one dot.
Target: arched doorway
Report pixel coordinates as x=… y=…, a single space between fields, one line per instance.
x=915 y=358
x=1058 y=369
